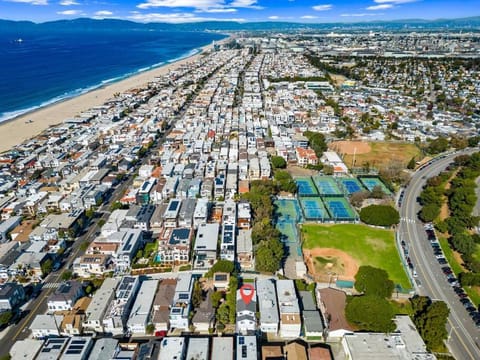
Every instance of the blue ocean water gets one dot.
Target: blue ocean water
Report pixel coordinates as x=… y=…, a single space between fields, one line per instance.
x=40 y=68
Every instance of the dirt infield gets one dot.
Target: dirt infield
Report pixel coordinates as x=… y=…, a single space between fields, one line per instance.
x=343 y=265
x=351 y=147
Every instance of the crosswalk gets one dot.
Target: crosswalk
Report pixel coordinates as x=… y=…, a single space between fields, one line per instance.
x=51 y=285
x=408 y=221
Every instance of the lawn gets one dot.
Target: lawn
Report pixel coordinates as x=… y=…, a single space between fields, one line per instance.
x=382 y=153
x=368 y=246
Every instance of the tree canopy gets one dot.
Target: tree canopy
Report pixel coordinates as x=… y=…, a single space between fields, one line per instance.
x=278 y=162
x=373 y=281
x=430 y=318
x=317 y=142
x=370 y=313
x=269 y=255
x=380 y=215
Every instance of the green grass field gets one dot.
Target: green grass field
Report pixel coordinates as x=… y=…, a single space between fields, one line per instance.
x=369 y=246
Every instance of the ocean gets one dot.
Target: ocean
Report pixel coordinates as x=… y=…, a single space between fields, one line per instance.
x=38 y=69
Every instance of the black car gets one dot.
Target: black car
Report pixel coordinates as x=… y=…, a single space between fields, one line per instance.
x=442 y=261
x=446 y=270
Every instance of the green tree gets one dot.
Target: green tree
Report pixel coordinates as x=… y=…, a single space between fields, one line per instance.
x=379 y=215
x=463 y=243
x=429 y=212
x=438 y=146
x=215 y=298
x=317 y=142
x=5 y=317
x=197 y=296
x=370 y=313
x=284 y=181
x=269 y=255
x=150 y=329
x=84 y=245
x=67 y=275
x=278 y=162
x=223 y=314
x=47 y=267
x=373 y=281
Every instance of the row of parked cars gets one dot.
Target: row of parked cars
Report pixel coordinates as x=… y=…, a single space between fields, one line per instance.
x=452 y=280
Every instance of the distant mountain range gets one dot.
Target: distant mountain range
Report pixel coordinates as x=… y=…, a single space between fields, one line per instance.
x=86 y=24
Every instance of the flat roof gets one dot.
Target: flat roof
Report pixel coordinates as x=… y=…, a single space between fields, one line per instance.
x=172 y=348
x=78 y=348
x=25 y=349
x=198 y=348
x=207 y=237
x=52 y=348
x=104 y=349
x=222 y=348
x=287 y=297
x=307 y=300
x=101 y=299
x=143 y=303
x=246 y=348
x=267 y=301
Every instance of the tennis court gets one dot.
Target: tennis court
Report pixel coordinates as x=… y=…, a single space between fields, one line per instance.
x=306 y=187
x=313 y=209
x=340 y=209
x=287 y=215
x=351 y=185
x=327 y=186
x=371 y=182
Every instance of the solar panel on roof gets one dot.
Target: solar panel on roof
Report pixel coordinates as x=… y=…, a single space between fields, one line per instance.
x=183 y=296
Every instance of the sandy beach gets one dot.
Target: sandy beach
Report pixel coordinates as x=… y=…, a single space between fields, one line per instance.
x=19 y=129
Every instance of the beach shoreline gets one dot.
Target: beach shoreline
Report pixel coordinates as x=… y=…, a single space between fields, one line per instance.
x=32 y=123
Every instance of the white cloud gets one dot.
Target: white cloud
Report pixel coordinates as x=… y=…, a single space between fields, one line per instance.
x=218 y=10
x=69 y=12
x=245 y=4
x=380 y=7
x=309 y=17
x=361 y=14
x=274 y=17
x=103 y=13
x=198 y=4
x=31 y=2
x=203 y=5
x=68 y=3
x=174 y=18
x=322 y=7
x=394 y=1
x=388 y=4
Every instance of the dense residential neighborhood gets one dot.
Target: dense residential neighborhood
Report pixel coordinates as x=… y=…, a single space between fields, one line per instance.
x=150 y=227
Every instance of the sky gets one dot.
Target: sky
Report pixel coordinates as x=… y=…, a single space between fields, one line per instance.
x=178 y=11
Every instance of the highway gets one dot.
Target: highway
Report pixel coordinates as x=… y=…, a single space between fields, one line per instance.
x=464 y=336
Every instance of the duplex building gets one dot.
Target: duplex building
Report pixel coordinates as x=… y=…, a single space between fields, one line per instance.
x=267 y=305
x=140 y=313
x=99 y=305
x=290 y=320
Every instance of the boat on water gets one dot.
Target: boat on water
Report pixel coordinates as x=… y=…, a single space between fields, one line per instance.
x=19 y=40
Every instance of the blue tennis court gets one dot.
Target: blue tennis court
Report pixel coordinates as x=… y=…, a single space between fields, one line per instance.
x=371 y=182
x=351 y=185
x=314 y=209
x=306 y=187
x=327 y=186
x=340 y=209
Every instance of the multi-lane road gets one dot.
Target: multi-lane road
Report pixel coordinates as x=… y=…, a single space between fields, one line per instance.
x=464 y=336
